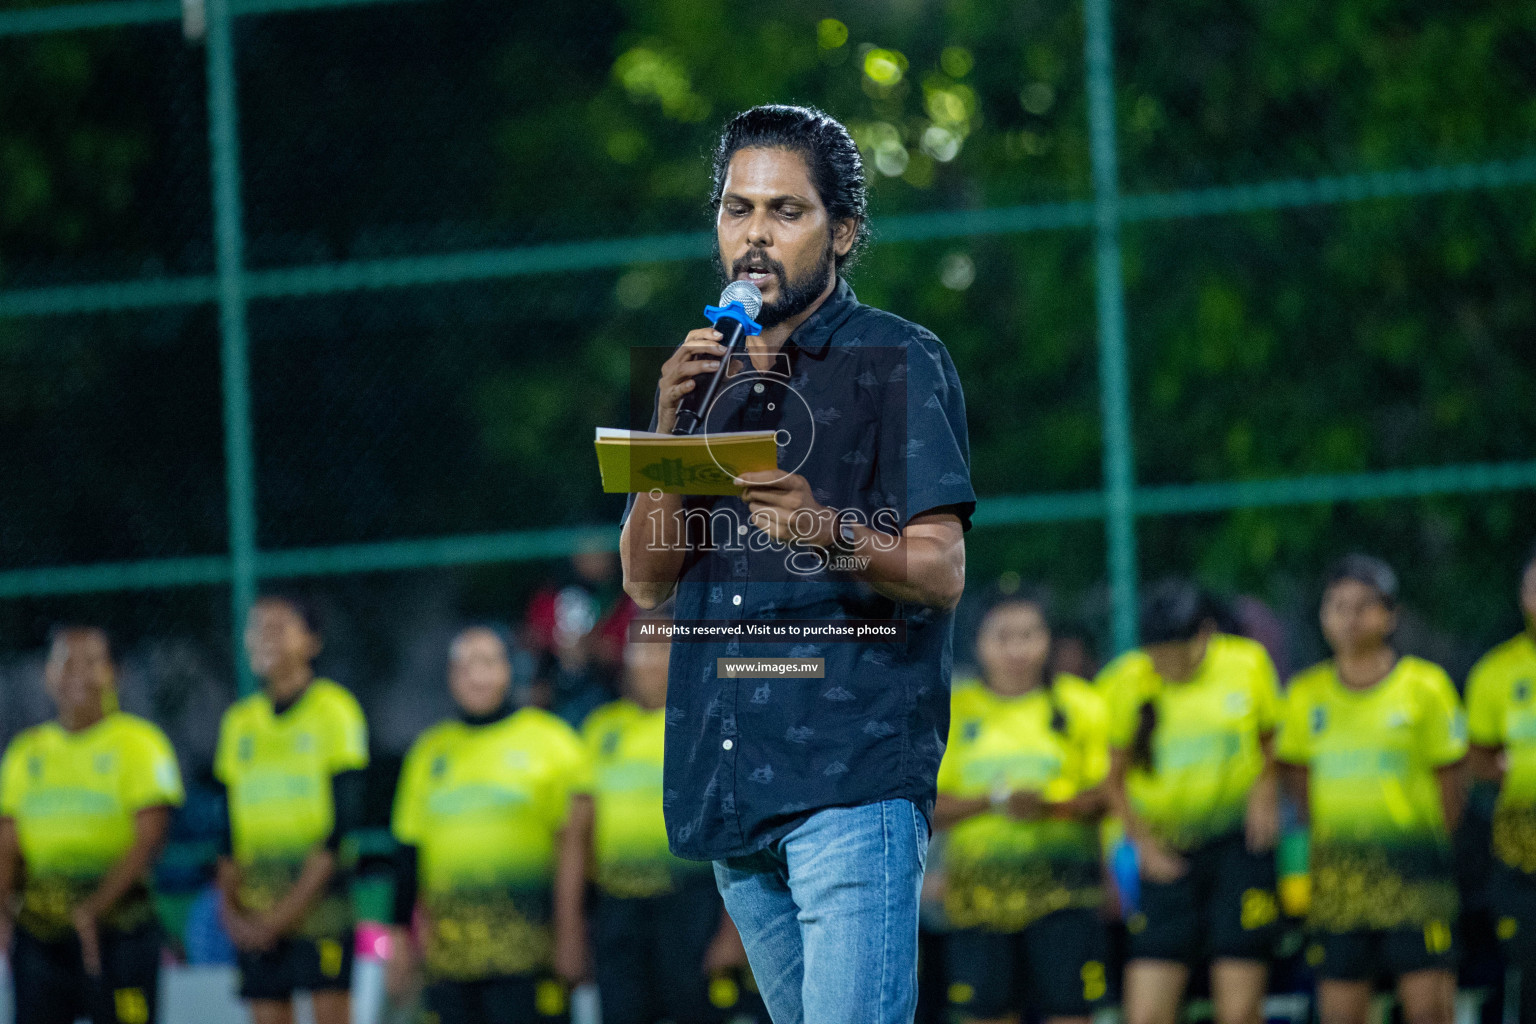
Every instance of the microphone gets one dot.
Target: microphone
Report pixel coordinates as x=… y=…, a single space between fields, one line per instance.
x=739 y=303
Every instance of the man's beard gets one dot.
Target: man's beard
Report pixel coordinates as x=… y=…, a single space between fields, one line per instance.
x=796 y=296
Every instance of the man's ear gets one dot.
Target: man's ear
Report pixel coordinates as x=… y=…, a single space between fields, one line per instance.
x=843 y=233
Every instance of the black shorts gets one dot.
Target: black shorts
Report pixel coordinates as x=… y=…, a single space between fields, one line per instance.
x=51 y=986
x=1224 y=907
x=1383 y=954
x=650 y=957
x=1055 y=967
x=298 y=964
x=1512 y=896
x=511 y=999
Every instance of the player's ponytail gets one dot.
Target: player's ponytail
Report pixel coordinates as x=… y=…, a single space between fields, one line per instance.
x=1058 y=717
x=1173 y=610
x=1141 y=744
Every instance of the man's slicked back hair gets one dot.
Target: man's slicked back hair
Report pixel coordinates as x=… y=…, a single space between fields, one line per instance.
x=829 y=151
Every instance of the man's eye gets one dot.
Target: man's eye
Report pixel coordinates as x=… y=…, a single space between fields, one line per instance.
x=789 y=214
x=736 y=211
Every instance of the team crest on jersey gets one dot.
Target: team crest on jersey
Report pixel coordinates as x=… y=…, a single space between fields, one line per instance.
x=103 y=763
x=971 y=730
x=611 y=743
x=304 y=742
x=1397 y=718
x=1237 y=703
x=246 y=748
x=1522 y=691
x=439 y=766
x=35 y=767
x=1319 y=720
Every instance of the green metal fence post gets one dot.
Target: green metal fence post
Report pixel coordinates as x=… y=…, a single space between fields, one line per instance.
x=239 y=473
x=1114 y=392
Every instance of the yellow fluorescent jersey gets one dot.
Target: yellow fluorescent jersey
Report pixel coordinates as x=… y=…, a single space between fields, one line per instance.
x=1380 y=851
x=624 y=742
x=484 y=805
x=278 y=769
x=1004 y=873
x=73 y=796
x=1501 y=712
x=1206 y=751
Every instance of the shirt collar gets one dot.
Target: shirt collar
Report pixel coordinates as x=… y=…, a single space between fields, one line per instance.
x=280 y=708
x=502 y=711
x=813 y=336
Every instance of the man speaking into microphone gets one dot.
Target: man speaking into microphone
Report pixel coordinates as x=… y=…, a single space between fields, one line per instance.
x=812 y=794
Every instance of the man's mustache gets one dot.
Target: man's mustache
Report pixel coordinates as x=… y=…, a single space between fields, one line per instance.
x=761 y=264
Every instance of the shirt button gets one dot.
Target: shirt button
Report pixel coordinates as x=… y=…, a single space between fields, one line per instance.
x=736 y=599
x=728 y=744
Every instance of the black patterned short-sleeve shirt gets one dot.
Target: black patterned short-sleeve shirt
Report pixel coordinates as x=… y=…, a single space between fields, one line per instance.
x=870 y=412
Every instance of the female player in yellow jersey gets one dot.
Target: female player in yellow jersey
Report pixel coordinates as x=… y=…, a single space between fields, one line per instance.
x=1192 y=719
x=85 y=804
x=1501 y=719
x=290 y=758
x=1372 y=743
x=665 y=947
x=492 y=813
x=1020 y=793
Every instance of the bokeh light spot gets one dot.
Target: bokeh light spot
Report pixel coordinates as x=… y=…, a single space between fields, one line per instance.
x=831 y=33
x=956 y=61
x=957 y=272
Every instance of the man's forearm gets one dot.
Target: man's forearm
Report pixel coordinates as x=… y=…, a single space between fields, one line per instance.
x=923 y=565
x=920 y=572
x=651 y=548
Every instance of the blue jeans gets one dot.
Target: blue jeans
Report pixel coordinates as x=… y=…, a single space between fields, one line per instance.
x=828 y=915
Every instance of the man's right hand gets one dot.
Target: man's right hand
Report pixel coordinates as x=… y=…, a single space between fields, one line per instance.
x=699 y=353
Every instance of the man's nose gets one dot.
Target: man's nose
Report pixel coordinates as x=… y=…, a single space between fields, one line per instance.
x=759 y=234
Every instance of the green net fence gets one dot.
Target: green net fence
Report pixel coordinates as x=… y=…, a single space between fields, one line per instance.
x=334 y=292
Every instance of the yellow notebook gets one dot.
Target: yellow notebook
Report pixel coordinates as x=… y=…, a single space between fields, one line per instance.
x=637 y=460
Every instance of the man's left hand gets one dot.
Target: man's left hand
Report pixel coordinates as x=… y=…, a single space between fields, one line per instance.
x=782 y=506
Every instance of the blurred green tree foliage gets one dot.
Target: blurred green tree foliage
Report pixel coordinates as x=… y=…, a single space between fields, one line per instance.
x=1374 y=335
